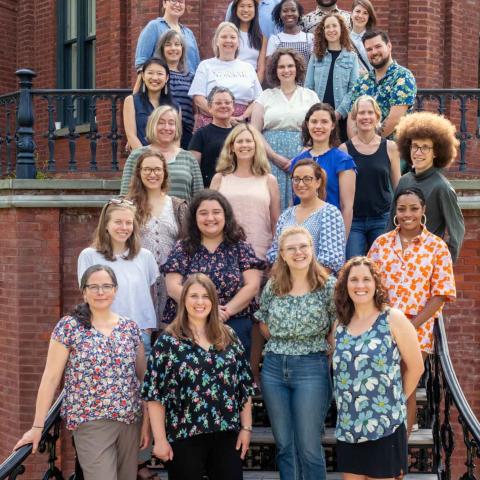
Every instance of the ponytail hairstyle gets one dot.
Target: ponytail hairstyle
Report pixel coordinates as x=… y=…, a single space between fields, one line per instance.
x=82 y=312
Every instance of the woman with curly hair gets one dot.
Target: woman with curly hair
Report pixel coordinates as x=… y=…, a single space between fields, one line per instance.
x=370 y=387
x=160 y=216
x=333 y=68
x=428 y=142
x=296 y=315
x=279 y=112
x=213 y=243
x=245 y=180
x=201 y=417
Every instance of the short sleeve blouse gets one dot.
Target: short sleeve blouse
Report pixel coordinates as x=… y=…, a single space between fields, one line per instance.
x=298 y=325
x=202 y=391
x=225 y=267
x=281 y=113
x=100 y=375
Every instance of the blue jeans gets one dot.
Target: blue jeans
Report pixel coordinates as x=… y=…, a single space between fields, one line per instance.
x=243 y=328
x=297 y=392
x=363 y=233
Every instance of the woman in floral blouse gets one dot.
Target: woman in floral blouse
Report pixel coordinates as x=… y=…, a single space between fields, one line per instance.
x=416 y=269
x=296 y=314
x=370 y=386
x=199 y=387
x=101 y=356
x=214 y=244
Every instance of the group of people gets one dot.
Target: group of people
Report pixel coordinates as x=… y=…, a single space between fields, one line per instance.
x=260 y=250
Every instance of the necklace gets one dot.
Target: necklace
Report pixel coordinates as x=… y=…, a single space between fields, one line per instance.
x=369 y=141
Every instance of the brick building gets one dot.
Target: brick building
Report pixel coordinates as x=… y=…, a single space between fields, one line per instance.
x=437 y=39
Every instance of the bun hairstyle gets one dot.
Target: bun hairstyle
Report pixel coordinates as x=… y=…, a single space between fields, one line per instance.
x=82 y=312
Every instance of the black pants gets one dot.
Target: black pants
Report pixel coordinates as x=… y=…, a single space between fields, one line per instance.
x=212 y=454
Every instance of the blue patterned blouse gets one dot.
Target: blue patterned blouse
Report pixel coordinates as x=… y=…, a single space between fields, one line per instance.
x=202 y=391
x=327 y=230
x=368 y=385
x=298 y=325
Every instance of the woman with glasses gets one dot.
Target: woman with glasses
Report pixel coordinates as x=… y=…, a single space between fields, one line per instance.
x=164 y=130
x=116 y=244
x=99 y=354
x=159 y=215
x=149 y=36
x=378 y=173
x=416 y=269
x=322 y=220
x=428 y=142
x=296 y=315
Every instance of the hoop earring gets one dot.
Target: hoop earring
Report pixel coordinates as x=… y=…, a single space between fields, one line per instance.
x=395 y=221
x=166 y=89
x=143 y=87
x=423 y=221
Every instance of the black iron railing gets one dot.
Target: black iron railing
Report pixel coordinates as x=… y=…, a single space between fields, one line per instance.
x=71 y=107
x=443 y=391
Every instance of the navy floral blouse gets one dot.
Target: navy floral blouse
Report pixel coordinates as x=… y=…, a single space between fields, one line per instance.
x=202 y=391
x=224 y=266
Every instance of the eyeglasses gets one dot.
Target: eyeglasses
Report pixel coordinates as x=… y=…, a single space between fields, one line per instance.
x=414 y=148
x=120 y=201
x=307 y=180
x=292 y=250
x=149 y=170
x=105 y=288
x=180 y=2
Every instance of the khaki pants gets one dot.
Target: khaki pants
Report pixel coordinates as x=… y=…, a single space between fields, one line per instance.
x=107 y=449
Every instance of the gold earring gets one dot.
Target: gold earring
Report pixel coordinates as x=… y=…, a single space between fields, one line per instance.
x=395 y=221
x=423 y=222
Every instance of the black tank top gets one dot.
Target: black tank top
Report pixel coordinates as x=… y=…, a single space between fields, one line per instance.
x=373 y=192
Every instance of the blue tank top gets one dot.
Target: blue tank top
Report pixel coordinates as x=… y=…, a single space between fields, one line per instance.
x=368 y=384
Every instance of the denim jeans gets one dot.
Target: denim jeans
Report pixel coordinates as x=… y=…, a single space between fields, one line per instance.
x=297 y=392
x=363 y=233
x=243 y=328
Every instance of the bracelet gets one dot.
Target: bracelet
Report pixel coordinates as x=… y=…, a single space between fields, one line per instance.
x=247 y=428
x=36 y=426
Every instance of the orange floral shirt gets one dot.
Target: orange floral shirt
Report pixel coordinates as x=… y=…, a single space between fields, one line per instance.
x=413 y=276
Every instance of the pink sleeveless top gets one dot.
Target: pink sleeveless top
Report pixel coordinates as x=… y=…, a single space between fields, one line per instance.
x=250 y=200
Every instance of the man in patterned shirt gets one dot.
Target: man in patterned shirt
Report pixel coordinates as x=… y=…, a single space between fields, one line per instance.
x=310 y=20
x=393 y=86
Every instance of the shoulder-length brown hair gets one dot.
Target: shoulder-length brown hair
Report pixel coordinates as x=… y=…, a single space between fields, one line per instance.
x=372 y=16
x=280 y=276
x=168 y=36
x=137 y=192
x=318 y=172
x=272 y=65
x=101 y=238
x=320 y=107
x=343 y=302
x=217 y=333
x=320 y=44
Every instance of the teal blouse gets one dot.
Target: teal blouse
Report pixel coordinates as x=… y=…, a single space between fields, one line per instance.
x=298 y=325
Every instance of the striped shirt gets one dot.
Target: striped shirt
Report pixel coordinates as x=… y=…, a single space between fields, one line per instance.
x=180 y=85
x=184 y=175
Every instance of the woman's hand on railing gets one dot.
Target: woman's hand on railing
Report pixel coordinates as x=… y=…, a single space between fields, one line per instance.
x=33 y=436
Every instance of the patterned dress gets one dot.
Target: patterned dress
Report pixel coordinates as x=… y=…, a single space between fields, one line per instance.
x=416 y=274
x=202 y=391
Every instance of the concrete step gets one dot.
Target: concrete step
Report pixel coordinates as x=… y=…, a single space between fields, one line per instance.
x=422 y=437
x=251 y=475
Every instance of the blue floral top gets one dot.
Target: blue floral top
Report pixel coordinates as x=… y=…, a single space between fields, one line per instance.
x=224 y=266
x=202 y=391
x=298 y=325
x=368 y=385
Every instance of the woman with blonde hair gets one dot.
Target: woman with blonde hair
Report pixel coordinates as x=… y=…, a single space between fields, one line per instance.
x=164 y=130
x=244 y=178
x=160 y=216
x=201 y=432
x=378 y=173
x=225 y=70
x=296 y=315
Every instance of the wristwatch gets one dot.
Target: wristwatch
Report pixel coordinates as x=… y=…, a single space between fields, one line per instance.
x=247 y=428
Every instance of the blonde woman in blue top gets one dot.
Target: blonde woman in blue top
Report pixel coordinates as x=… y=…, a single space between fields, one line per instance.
x=296 y=314
x=370 y=387
x=333 y=68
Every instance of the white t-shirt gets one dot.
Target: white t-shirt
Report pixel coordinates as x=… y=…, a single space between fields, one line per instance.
x=280 y=113
x=246 y=52
x=275 y=39
x=239 y=76
x=135 y=277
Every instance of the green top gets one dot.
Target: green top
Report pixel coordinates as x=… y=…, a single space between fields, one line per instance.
x=298 y=325
x=184 y=175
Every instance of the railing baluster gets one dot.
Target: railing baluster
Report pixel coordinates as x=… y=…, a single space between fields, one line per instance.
x=51 y=132
x=93 y=133
x=72 y=135
x=114 y=135
x=8 y=141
